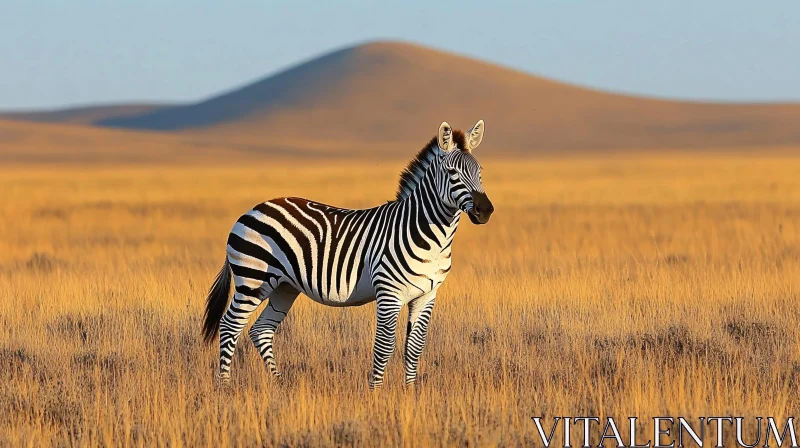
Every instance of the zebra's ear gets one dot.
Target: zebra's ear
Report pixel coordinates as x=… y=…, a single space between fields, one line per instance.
x=475 y=135
x=445 y=137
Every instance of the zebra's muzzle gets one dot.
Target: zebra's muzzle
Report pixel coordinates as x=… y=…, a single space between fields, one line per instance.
x=481 y=210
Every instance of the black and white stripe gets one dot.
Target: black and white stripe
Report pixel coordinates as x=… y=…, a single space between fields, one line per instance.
x=398 y=253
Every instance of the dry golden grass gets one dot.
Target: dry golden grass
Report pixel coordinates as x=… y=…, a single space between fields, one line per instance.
x=625 y=286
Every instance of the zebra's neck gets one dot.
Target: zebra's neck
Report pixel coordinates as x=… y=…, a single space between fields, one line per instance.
x=428 y=197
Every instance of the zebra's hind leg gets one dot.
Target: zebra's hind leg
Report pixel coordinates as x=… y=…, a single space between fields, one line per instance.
x=263 y=330
x=249 y=294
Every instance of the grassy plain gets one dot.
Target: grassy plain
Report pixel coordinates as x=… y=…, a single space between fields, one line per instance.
x=629 y=285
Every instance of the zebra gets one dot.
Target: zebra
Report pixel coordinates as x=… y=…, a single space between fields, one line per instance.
x=395 y=254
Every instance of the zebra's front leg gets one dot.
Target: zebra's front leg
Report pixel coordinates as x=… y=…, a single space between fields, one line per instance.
x=419 y=316
x=388 y=310
x=263 y=330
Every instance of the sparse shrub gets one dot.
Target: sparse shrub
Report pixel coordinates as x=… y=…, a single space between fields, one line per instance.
x=349 y=433
x=43 y=263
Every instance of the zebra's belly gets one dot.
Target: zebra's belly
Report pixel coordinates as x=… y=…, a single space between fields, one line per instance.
x=355 y=295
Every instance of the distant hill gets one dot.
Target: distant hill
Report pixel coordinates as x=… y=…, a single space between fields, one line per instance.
x=399 y=92
x=392 y=95
x=83 y=114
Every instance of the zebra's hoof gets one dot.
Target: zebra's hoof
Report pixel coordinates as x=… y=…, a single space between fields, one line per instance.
x=224 y=381
x=273 y=370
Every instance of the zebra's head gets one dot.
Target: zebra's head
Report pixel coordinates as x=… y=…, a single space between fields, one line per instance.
x=463 y=188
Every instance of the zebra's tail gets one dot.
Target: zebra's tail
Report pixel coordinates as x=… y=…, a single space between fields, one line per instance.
x=217 y=302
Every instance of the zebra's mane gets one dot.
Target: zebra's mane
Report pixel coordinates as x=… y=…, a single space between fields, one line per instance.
x=416 y=168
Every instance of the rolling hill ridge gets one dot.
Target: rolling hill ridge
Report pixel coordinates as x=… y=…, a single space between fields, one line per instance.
x=83 y=114
x=388 y=92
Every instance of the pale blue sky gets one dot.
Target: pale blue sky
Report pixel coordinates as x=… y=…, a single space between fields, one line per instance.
x=56 y=53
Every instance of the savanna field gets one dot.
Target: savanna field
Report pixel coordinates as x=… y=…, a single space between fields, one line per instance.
x=623 y=285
